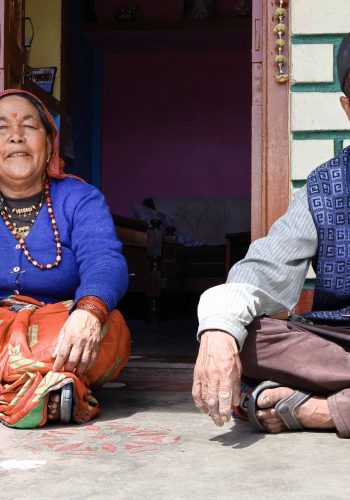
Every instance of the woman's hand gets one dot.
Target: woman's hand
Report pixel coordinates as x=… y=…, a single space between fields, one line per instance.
x=217 y=376
x=78 y=343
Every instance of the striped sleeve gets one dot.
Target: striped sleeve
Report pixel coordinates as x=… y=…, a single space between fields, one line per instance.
x=268 y=280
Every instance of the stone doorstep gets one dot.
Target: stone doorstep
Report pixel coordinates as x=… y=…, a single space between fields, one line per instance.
x=153 y=374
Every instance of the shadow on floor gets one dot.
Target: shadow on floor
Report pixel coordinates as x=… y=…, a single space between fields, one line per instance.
x=241 y=435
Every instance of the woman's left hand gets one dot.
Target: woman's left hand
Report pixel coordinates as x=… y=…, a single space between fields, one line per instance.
x=78 y=343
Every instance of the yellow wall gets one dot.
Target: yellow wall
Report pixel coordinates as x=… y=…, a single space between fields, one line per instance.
x=46 y=46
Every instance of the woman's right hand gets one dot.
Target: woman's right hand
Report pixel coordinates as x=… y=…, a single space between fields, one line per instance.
x=217 y=375
x=78 y=343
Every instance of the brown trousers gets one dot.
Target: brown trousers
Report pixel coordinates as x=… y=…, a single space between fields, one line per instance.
x=310 y=357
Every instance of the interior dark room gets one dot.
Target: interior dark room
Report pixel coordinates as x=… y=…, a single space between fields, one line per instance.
x=159 y=106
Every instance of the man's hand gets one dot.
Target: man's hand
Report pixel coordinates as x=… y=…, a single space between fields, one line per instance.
x=217 y=376
x=78 y=343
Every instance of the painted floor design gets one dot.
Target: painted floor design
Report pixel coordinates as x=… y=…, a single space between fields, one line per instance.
x=105 y=438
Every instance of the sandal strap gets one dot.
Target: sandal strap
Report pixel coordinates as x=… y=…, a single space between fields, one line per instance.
x=286 y=409
x=252 y=402
x=66 y=403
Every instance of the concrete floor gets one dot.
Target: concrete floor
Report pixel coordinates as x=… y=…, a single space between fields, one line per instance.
x=154 y=445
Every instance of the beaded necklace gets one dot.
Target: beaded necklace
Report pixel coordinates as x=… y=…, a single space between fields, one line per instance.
x=23 y=211
x=21 y=216
x=14 y=230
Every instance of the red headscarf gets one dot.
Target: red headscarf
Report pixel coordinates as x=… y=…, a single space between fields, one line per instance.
x=55 y=167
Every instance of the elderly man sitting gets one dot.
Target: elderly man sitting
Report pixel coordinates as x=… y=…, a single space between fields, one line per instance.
x=303 y=366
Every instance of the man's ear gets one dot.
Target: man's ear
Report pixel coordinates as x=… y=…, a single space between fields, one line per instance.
x=345 y=103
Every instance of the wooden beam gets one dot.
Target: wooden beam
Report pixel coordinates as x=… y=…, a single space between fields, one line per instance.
x=270 y=129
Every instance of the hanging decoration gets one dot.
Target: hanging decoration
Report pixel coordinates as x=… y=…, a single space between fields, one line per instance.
x=281 y=31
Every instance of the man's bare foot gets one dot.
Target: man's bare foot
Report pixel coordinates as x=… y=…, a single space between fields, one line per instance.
x=53 y=406
x=313 y=414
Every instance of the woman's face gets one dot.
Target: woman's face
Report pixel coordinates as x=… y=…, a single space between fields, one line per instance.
x=24 y=143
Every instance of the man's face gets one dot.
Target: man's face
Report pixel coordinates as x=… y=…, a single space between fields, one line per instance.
x=344 y=100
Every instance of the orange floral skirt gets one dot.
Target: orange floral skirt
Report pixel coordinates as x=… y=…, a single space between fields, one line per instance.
x=28 y=333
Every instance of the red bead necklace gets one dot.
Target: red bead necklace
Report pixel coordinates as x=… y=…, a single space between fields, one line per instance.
x=20 y=238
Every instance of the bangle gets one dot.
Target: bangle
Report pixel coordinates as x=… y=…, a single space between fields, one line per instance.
x=95 y=306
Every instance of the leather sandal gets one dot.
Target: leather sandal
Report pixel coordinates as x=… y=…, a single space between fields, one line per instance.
x=66 y=406
x=285 y=408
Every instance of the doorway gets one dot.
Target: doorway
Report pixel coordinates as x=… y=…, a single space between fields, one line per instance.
x=161 y=110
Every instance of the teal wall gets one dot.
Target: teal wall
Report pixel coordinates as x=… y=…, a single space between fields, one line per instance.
x=337 y=136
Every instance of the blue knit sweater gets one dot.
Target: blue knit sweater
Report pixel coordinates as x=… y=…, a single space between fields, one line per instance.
x=92 y=263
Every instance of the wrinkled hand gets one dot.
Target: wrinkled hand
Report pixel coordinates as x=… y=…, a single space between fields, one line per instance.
x=78 y=343
x=217 y=376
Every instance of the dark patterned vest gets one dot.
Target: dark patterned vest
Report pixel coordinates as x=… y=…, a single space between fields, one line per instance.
x=328 y=188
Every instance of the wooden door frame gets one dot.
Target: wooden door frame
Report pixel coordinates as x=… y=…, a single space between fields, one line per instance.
x=11 y=44
x=270 y=124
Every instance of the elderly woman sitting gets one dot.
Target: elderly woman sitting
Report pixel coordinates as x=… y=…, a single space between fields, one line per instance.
x=61 y=275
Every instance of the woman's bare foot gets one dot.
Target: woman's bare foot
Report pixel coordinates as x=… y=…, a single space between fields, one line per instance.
x=53 y=406
x=313 y=414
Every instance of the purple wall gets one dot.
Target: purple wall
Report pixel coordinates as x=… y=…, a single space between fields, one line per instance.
x=175 y=124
